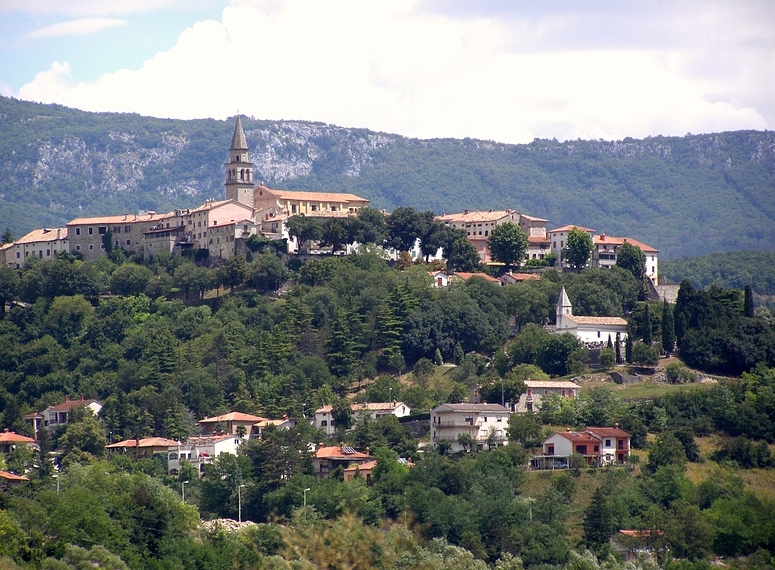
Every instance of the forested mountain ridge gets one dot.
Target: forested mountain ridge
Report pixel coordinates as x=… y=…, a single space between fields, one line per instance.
x=687 y=195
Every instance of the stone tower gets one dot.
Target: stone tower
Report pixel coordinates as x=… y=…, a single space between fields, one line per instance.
x=239 y=169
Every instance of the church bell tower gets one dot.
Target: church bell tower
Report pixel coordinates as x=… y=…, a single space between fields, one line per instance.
x=239 y=169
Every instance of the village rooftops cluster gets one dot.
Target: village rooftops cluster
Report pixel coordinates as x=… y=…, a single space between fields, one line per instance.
x=222 y=227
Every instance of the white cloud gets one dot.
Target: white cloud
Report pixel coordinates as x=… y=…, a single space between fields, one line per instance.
x=48 y=86
x=391 y=66
x=80 y=27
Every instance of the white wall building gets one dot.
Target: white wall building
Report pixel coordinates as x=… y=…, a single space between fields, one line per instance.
x=592 y=331
x=448 y=421
x=530 y=401
x=324 y=419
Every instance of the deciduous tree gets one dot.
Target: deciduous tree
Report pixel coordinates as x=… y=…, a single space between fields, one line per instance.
x=578 y=248
x=508 y=243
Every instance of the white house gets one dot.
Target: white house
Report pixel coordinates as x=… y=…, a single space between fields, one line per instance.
x=324 y=420
x=559 y=238
x=59 y=415
x=592 y=331
x=530 y=401
x=201 y=450
x=480 y=421
x=601 y=446
x=606 y=248
x=43 y=244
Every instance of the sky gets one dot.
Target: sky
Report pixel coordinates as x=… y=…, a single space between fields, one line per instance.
x=503 y=70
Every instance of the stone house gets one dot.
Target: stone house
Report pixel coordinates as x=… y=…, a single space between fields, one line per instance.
x=530 y=400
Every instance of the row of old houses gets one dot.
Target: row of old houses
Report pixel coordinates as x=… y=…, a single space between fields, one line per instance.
x=220 y=228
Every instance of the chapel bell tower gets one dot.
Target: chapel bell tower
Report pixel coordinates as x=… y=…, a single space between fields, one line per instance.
x=239 y=169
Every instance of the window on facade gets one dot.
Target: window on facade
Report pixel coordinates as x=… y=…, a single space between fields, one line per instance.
x=129 y=242
x=77 y=231
x=324 y=423
x=549 y=450
x=314 y=208
x=102 y=246
x=17 y=255
x=293 y=208
x=621 y=444
x=597 y=448
x=102 y=230
x=117 y=230
x=608 y=443
x=77 y=248
x=52 y=418
x=91 y=231
x=91 y=246
x=582 y=449
x=530 y=406
x=563 y=393
x=48 y=253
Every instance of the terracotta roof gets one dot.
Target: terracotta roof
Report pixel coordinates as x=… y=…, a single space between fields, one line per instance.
x=597 y=320
x=467 y=276
x=145 y=442
x=569 y=228
x=264 y=423
x=538 y=239
x=523 y=276
x=324 y=409
x=209 y=439
x=577 y=437
x=640 y=533
x=43 y=235
x=11 y=437
x=123 y=219
x=551 y=384
x=607 y=432
x=312 y=196
x=603 y=239
x=532 y=218
x=363 y=466
x=11 y=477
x=233 y=417
x=68 y=405
x=214 y=204
x=477 y=216
x=336 y=452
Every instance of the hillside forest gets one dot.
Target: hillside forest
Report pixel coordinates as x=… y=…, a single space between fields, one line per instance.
x=164 y=342
x=57 y=164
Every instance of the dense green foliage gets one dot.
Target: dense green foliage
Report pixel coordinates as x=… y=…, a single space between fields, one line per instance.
x=59 y=163
x=159 y=363
x=733 y=269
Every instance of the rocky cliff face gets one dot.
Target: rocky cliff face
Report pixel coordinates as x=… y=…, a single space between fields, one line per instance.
x=683 y=195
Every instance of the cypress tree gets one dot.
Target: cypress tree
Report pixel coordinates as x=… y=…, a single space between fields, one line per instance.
x=668 y=329
x=609 y=344
x=628 y=349
x=748 y=302
x=618 y=348
x=597 y=520
x=646 y=325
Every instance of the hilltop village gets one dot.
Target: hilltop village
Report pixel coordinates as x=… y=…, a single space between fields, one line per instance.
x=218 y=230
x=341 y=371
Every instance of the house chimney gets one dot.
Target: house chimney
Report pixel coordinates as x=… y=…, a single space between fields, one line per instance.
x=81 y=397
x=616 y=425
x=465 y=212
x=567 y=429
x=67 y=398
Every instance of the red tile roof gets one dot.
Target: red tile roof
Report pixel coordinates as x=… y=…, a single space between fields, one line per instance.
x=145 y=442
x=336 y=452
x=11 y=437
x=603 y=239
x=311 y=196
x=233 y=417
x=569 y=228
x=607 y=432
x=467 y=276
x=68 y=405
x=11 y=477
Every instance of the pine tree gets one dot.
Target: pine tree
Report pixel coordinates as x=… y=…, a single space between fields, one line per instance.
x=598 y=523
x=668 y=329
x=628 y=350
x=748 y=302
x=7 y=236
x=618 y=348
x=646 y=325
x=341 y=346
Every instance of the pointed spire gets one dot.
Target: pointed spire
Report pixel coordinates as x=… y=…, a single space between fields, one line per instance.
x=238 y=141
x=563 y=301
